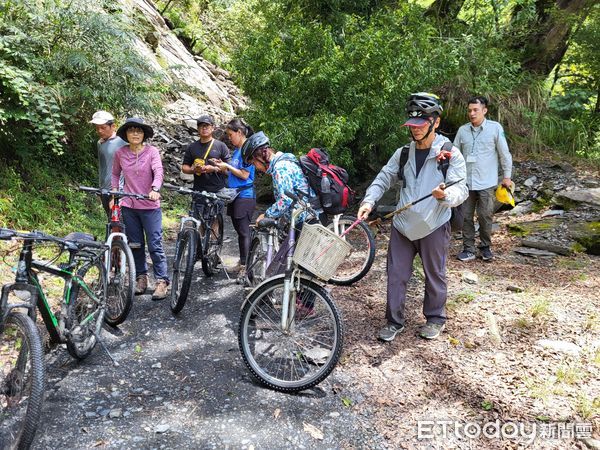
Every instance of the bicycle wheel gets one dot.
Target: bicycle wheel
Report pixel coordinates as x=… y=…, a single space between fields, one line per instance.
x=185 y=257
x=256 y=263
x=22 y=381
x=121 y=283
x=360 y=260
x=304 y=355
x=211 y=254
x=85 y=311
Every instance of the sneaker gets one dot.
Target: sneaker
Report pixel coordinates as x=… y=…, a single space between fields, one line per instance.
x=160 y=290
x=389 y=332
x=431 y=330
x=486 y=254
x=241 y=276
x=141 y=284
x=465 y=255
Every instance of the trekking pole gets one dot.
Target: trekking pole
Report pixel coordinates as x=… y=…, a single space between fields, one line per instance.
x=408 y=205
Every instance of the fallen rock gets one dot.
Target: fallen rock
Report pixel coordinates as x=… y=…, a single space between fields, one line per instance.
x=469 y=277
x=513 y=288
x=590 y=196
x=533 y=252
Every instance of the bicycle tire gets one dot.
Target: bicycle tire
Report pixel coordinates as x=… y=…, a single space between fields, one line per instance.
x=185 y=252
x=211 y=251
x=255 y=263
x=22 y=387
x=84 y=314
x=121 y=286
x=282 y=360
x=359 y=261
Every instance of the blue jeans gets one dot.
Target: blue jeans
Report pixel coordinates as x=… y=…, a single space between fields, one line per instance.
x=145 y=225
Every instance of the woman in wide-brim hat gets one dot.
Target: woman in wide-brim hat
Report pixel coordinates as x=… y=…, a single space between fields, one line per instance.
x=142 y=169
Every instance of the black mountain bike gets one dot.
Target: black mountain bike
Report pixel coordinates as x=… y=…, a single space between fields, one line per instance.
x=200 y=237
x=77 y=321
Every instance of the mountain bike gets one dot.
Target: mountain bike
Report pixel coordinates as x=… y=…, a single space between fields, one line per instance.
x=118 y=260
x=290 y=332
x=77 y=321
x=22 y=368
x=267 y=236
x=200 y=237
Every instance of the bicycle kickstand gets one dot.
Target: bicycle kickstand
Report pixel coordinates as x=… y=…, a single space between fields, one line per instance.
x=106 y=349
x=224 y=269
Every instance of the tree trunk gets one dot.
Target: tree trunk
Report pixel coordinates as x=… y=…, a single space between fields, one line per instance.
x=548 y=39
x=445 y=9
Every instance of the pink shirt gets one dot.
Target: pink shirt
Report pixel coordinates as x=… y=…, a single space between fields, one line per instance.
x=142 y=172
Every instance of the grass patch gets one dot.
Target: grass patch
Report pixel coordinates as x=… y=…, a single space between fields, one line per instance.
x=587 y=407
x=542 y=389
x=537 y=315
x=569 y=373
x=462 y=298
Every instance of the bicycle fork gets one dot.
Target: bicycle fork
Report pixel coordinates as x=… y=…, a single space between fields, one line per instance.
x=288 y=306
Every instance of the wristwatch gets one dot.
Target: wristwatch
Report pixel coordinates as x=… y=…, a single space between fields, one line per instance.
x=155 y=189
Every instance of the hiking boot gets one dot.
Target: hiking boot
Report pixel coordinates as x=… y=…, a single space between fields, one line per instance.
x=241 y=277
x=141 y=284
x=486 y=254
x=389 y=332
x=160 y=290
x=465 y=256
x=431 y=330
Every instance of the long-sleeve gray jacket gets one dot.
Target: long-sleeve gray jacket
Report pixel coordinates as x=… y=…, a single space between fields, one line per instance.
x=430 y=214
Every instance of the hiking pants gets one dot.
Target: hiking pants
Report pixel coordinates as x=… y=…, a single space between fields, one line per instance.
x=433 y=250
x=483 y=202
x=145 y=225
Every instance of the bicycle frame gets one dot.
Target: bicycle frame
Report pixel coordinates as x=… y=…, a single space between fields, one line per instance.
x=55 y=325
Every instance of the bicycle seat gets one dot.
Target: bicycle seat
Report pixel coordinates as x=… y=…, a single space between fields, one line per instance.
x=267 y=222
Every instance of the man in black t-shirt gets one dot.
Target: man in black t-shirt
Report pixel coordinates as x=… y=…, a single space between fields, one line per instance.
x=197 y=158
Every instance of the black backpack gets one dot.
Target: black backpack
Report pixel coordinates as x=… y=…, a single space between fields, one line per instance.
x=458 y=216
x=322 y=177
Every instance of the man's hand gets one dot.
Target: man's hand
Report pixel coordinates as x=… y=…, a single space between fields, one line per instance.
x=438 y=193
x=260 y=217
x=506 y=182
x=154 y=195
x=363 y=211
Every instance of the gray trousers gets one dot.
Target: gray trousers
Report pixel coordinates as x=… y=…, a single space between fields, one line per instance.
x=433 y=250
x=483 y=202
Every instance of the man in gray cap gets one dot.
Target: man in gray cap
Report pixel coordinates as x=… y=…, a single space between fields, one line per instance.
x=108 y=144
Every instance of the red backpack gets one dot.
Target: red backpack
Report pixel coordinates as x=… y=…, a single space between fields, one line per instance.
x=328 y=181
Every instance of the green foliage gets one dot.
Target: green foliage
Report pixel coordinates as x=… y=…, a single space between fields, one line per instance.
x=59 y=62
x=46 y=200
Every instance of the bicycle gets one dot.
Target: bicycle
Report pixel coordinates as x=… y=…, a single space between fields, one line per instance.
x=197 y=239
x=267 y=236
x=22 y=368
x=77 y=322
x=290 y=332
x=118 y=261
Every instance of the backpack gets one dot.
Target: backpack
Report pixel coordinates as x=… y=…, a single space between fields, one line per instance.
x=323 y=177
x=457 y=218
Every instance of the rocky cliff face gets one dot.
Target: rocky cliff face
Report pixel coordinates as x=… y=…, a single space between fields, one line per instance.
x=201 y=87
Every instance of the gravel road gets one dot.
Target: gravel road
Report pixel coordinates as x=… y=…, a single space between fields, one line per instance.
x=181 y=383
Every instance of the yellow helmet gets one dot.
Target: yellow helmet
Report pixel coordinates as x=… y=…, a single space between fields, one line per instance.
x=504 y=195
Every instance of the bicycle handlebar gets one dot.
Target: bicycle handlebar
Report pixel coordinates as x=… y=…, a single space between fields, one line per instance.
x=118 y=194
x=188 y=191
x=71 y=244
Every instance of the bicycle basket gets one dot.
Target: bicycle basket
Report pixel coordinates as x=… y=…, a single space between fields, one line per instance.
x=320 y=251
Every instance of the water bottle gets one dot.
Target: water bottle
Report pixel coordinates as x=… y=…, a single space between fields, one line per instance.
x=325 y=191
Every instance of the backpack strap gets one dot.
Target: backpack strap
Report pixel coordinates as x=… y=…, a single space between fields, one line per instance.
x=443 y=164
x=402 y=163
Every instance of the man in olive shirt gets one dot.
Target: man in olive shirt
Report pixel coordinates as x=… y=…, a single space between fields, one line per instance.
x=198 y=158
x=484 y=147
x=108 y=144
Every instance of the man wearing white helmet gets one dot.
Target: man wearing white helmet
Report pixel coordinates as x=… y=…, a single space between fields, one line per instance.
x=108 y=144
